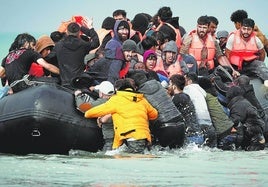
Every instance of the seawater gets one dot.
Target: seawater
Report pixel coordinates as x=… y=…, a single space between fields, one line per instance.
x=190 y=166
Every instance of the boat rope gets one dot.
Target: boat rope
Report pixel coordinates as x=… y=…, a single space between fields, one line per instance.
x=27 y=81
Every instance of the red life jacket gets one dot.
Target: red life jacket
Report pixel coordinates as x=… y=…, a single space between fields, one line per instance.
x=36 y=70
x=124 y=70
x=243 y=51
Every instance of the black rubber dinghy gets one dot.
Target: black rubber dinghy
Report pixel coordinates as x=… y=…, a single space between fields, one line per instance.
x=43 y=120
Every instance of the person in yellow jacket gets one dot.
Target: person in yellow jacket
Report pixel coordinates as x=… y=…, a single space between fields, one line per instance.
x=131 y=113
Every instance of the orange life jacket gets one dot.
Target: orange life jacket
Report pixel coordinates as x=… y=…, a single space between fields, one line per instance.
x=101 y=34
x=177 y=31
x=196 y=48
x=241 y=51
x=172 y=69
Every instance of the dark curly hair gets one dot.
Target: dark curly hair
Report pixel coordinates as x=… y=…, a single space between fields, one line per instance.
x=178 y=81
x=238 y=16
x=20 y=40
x=164 y=13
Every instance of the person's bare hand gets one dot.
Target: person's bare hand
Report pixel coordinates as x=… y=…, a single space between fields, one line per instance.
x=88 y=22
x=235 y=74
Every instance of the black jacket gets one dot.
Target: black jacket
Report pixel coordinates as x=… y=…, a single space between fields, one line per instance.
x=241 y=110
x=70 y=54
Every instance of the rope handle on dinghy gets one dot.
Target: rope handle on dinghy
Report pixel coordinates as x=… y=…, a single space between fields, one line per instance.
x=26 y=80
x=4 y=90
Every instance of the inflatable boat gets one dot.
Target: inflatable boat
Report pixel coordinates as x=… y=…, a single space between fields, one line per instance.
x=43 y=120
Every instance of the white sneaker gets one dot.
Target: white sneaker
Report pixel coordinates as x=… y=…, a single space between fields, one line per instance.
x=266 y=83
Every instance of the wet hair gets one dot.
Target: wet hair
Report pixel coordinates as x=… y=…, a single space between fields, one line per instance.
x=247 y=22
x=20 y=40
x=120 y=12
x=192 y=76
x=238 y=16
x=164 y=13
x=123 y=84
x=178 y=81
x=203 y=20
x=213 y=20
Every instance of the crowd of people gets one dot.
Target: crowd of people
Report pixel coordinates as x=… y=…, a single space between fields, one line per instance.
x=155 y=82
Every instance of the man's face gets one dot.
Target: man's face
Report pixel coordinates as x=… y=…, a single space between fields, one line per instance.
x=123 y=34
x=170 y=57
x=222 y=41
x=128 y=55
x=202 y=30
x=246 y=31
x=237 y=25
x=119 y=17
x=212 y=28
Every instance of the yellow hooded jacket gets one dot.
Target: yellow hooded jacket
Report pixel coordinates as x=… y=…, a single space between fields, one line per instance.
x=130 y=112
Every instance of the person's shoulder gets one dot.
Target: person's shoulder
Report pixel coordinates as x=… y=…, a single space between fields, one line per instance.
x=183 y=97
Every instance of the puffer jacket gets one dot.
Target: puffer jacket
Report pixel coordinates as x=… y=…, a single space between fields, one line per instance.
x=159 y=99
x=130 y=112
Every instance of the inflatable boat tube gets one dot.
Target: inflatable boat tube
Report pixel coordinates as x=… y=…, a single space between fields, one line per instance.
x=43 y=120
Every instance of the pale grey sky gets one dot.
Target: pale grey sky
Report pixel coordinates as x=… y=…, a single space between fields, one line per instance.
x=45 y=16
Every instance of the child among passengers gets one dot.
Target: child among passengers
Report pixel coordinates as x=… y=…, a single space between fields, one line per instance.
x=131 y=113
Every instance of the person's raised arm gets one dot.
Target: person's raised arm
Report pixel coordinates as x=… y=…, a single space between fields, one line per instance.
x=48 y=66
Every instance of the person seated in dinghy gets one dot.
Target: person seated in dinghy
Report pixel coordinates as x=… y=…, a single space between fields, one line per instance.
x=19 y=60
x=200 y=44
x=44 y=46
x=246 y=52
